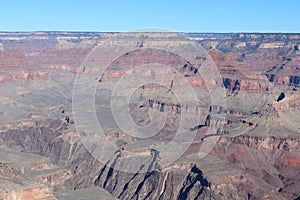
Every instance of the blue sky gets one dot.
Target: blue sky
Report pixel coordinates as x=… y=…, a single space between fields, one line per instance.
x=183 y=16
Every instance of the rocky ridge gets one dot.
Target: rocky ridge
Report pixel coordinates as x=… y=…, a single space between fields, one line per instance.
x=257 y=156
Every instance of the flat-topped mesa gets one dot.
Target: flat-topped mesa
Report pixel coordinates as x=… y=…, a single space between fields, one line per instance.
x=208 y=116
x=163 y=106
x=247 y=85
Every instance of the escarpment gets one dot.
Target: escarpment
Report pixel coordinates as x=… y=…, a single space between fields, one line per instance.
x=249 y=116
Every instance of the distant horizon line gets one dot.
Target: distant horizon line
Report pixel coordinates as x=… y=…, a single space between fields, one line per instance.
x=191 y=32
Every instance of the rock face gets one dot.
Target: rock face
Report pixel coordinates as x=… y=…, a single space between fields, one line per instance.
x=256 y=156
x=15 y=185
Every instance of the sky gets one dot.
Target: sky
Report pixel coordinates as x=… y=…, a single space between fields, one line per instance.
x=127 y=15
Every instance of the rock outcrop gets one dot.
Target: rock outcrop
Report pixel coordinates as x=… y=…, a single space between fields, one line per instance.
x=256 y=155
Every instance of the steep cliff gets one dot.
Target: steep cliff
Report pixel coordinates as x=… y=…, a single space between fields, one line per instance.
x=256 y=155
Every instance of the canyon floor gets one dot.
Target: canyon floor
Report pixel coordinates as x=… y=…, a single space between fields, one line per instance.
x=224 y=109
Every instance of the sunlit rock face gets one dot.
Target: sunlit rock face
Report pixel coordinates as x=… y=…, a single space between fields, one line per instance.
x=256 y=155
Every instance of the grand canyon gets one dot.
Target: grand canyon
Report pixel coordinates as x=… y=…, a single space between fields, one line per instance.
x=225 y=114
